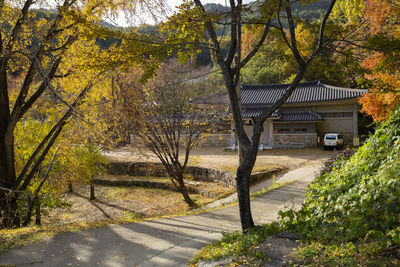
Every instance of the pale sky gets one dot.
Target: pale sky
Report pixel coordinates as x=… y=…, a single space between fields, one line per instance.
x=121 y=21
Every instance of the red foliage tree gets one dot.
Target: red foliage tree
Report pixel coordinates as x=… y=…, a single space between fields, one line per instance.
x=382 y=66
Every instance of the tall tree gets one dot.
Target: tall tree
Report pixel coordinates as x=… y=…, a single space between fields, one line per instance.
x=37 y=50
x=383 y=62
x=193 y=18
x=167 y=123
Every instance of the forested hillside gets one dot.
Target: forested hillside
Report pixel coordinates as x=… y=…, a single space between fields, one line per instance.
x=307 y=12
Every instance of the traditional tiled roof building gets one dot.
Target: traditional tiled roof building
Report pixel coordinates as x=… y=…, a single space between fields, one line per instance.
x=313 y=109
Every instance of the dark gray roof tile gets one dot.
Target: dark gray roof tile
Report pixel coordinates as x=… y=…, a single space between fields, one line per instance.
x=300 y=116
x=254 y=112
x=306 y=116
x=307 y=92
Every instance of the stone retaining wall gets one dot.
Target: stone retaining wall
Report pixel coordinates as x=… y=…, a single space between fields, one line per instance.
x=295 y=140
x=152 y=184
x=222 y=140
x=137 y=169
x=196 y=173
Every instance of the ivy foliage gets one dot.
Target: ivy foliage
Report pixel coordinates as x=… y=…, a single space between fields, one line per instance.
x=238 y=247
x=360 y=198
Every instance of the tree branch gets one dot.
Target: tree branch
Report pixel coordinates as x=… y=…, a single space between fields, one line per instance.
x=213 y=36
x=257 y=47
x=292 y=27
x=66 y=116
x=36 y=193
x=16 y=30
x=46 y=80
x=322 y=28
x=234 y=32
x=46 y=150
x=35 y=64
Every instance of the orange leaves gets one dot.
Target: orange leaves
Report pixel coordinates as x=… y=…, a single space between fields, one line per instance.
x=373 y=60
x=382 y=66
x=377 y=12
x=379 y=105
x=385 y=94
x=248 y=42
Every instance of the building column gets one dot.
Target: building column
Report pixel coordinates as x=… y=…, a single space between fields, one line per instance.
x=232 y=141
x=271 y=134
x=355 y=121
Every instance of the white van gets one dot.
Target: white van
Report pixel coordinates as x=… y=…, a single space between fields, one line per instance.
x=333 y=140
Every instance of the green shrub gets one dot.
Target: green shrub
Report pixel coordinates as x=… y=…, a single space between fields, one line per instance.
x=238 y=247
x=358 y=200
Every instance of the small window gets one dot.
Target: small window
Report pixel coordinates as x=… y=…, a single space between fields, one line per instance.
x=300 y=130
x=347 y=114
x=338 y=114
x=330 y=114
x=284 y=130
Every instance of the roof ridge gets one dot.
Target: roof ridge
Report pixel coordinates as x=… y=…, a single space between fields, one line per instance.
x=264 y=86
x=345 y=89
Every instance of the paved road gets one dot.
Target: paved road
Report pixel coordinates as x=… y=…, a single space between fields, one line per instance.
x=164 y=242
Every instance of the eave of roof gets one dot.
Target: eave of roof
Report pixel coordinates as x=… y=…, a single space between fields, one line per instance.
x=254 y=112
x=307 y=116
x=297 y=116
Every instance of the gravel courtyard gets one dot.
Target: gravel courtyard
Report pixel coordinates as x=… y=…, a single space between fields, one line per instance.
x=217 y=157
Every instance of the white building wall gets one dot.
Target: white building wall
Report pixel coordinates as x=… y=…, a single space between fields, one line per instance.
x=265 y=137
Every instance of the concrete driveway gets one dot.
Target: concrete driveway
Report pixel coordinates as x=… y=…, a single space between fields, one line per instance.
x=163 y=242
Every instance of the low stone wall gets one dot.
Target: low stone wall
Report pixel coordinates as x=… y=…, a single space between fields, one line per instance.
x=157 y=170
x=153 y=184
x=216 y=140
x=295 y=140
x=259 y=176
x=137 y=169
x=196 y=173
x=211 y=175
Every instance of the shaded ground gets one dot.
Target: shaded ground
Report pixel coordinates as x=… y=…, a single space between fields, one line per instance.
x=119 y=203
x=164 y=242
x=173 y=241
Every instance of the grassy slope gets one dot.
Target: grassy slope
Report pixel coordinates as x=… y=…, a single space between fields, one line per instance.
x=351 y=216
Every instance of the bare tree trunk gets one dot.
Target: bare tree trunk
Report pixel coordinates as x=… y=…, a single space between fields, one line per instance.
x=8 y=200
x=243 y=184
x=182 y=188
x=38 y=214
x=92 y=196
x=70 y=188
x=28 y=216
x=9 y=210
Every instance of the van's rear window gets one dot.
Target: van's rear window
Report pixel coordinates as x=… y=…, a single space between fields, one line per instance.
x=330 y=137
